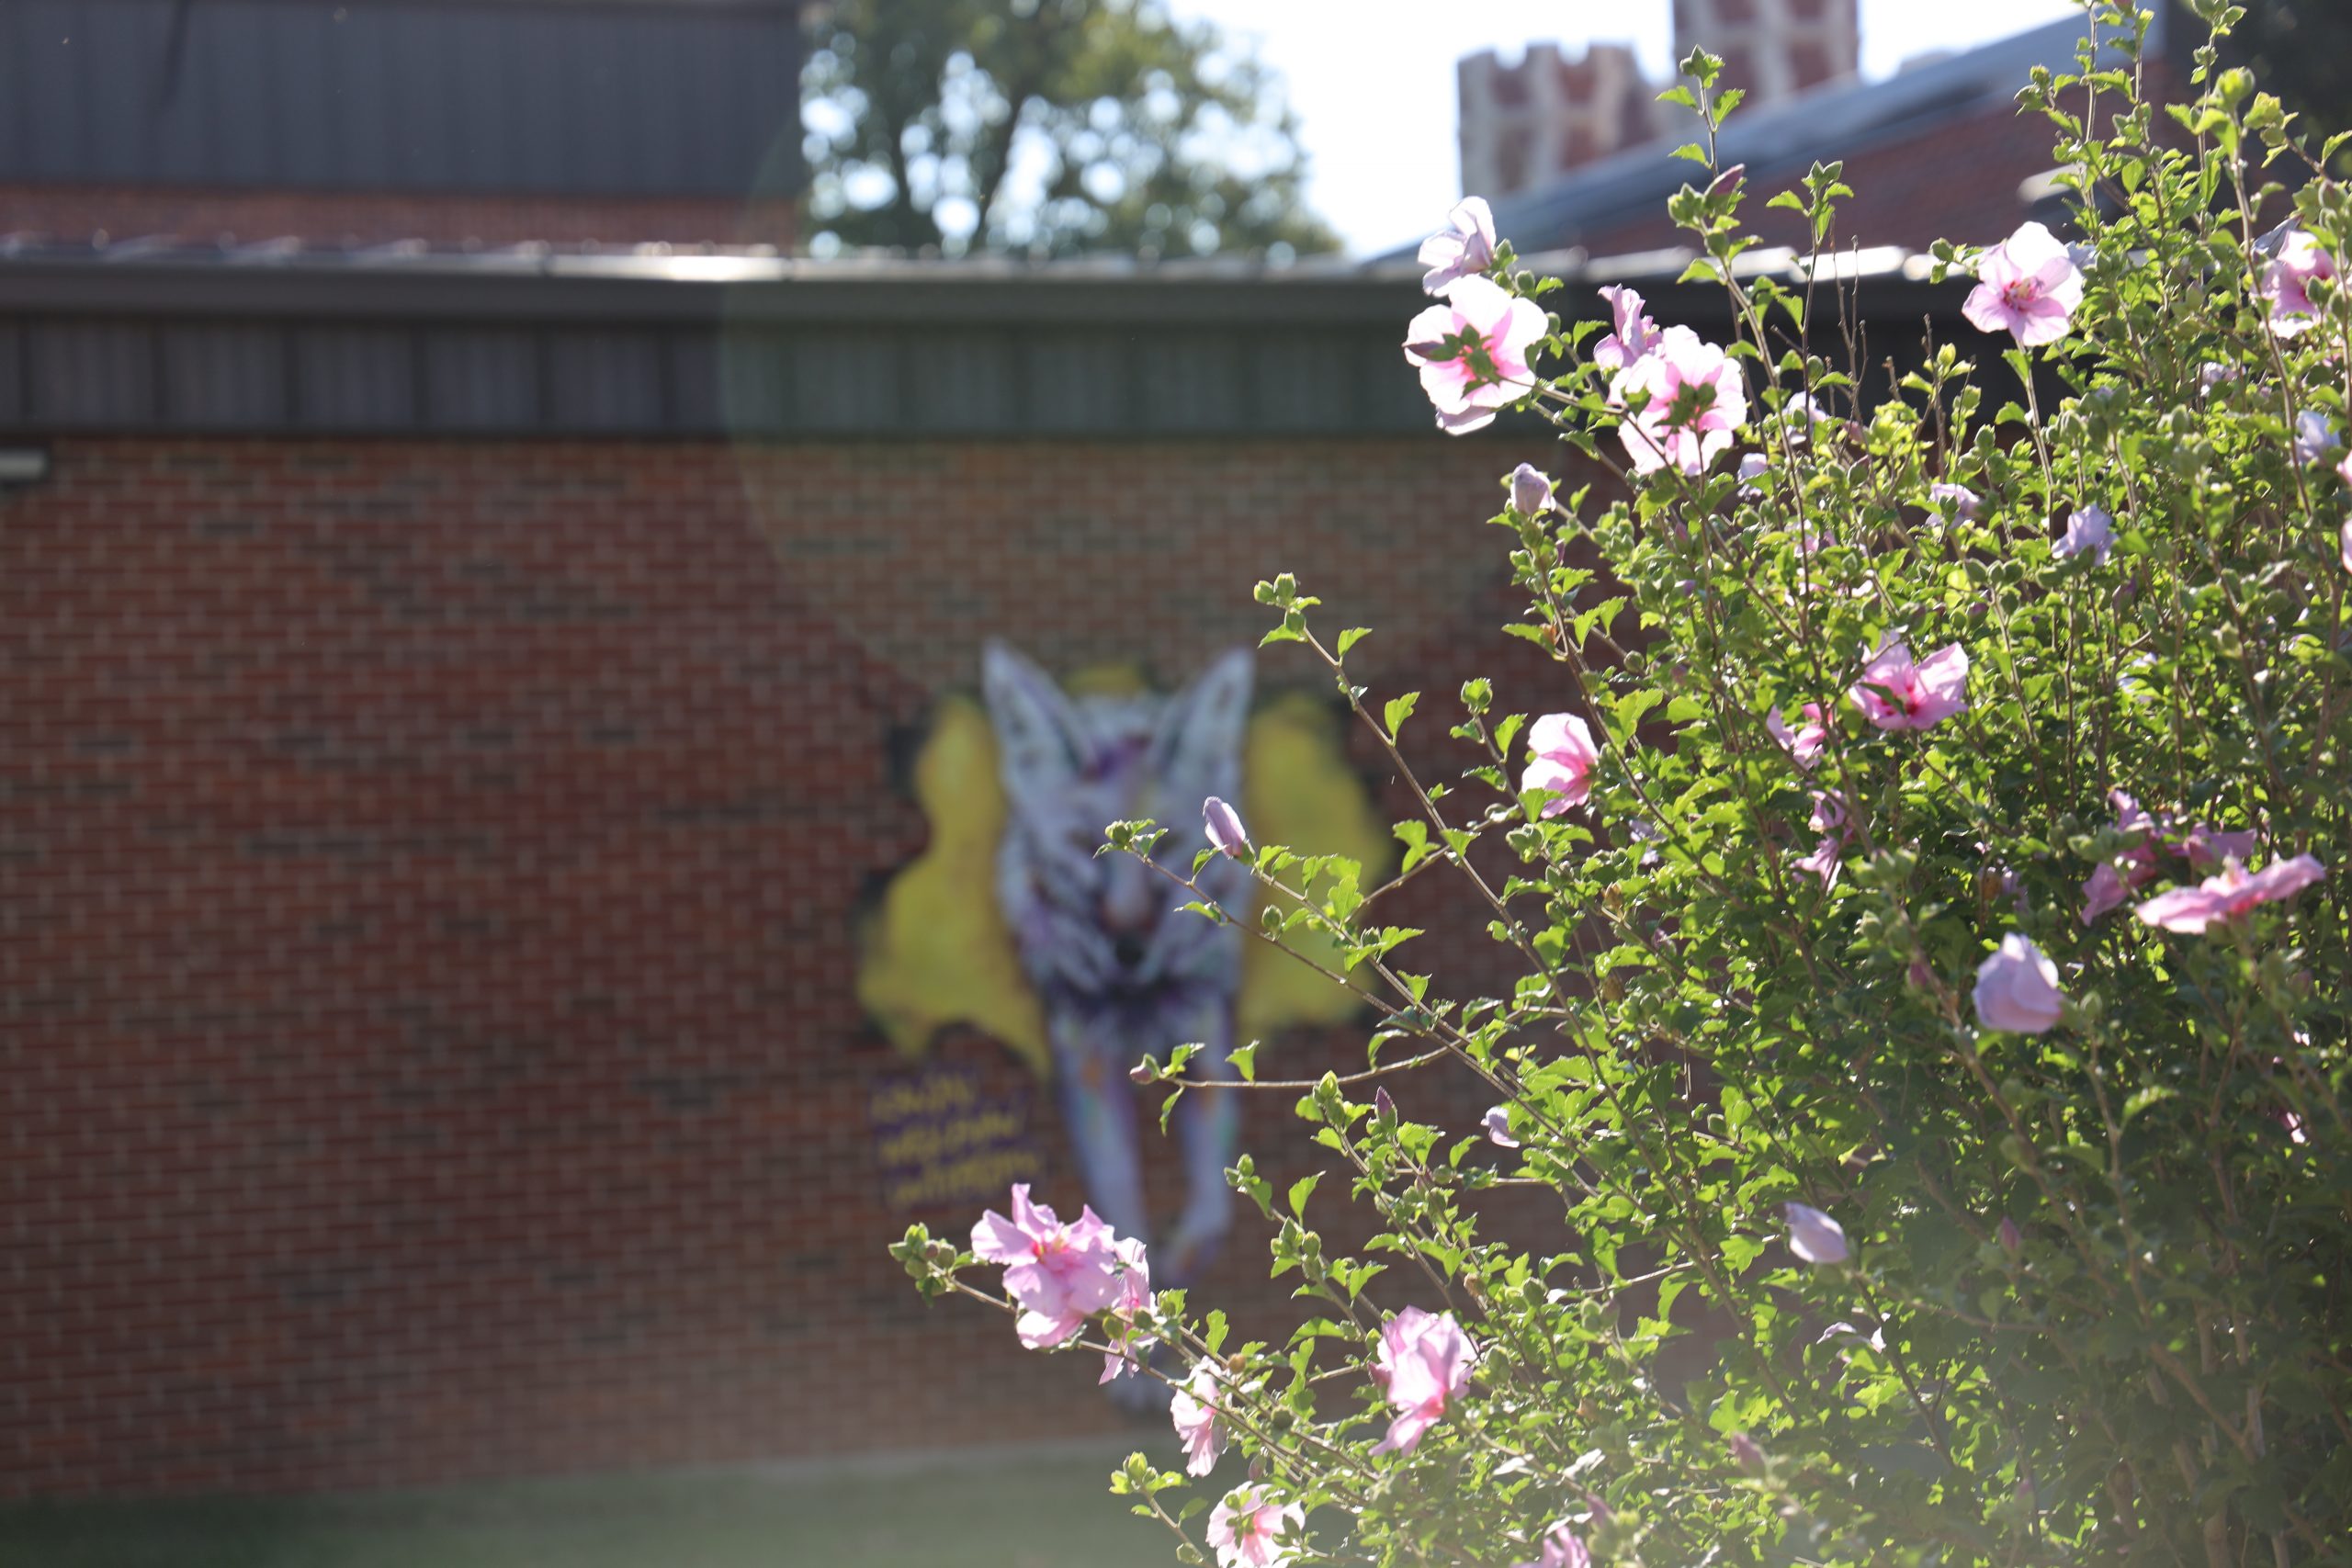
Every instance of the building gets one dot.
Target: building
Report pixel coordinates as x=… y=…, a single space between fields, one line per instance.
x=1529 y=124
x=441 y=123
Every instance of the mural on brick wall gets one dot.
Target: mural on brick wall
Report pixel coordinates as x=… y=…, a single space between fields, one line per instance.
x=1083 y=964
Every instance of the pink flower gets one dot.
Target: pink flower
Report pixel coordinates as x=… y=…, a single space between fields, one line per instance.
x=2207 y=847
x=2315 y=436
x=1423 y=1361
x=2115 y=880
x=2027 y=287
x=2091 y=530
x=1696 y=402
x=1465 y=247
x=1498 y=1126
x=1530 y=491
x=1805 y=743
x=1135 y=1300
x=2017 y=989
x=1744 y=1451
x=2344 y=547
x=1563 y=758
x=1814 y=1236
x=1962 y=501
x=1060 y=1274
x=2236 y=891
x=1225 y=833
x=2213 y=372
x=1635 y=335
x=1829 y=821
x=2286 y=283
x=1244 y=1528
x=1754 y=465
x=2010 y=1237
x=1472 y=350
x=1561 y=1549
x=1897 y=693
x=1196 y=1419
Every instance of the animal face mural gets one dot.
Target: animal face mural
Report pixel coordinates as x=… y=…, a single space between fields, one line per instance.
x=1121 y=973
x=1081 y=964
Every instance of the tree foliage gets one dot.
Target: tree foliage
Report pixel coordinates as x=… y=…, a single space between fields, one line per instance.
x=1049 y=127
x=1937 y=1065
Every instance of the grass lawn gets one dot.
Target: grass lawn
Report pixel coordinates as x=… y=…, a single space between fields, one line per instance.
x=1044 y=1510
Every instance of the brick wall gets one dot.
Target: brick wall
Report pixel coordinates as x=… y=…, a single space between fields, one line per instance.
x=426 y=1029
x=330 y=219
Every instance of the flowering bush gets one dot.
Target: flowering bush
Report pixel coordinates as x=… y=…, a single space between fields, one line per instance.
x=1931 y=993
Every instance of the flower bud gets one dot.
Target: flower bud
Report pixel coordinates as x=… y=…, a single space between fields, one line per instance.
x=1224 y=831
x=1744 y=1449
x=1530 y=491
x=2012 y=1238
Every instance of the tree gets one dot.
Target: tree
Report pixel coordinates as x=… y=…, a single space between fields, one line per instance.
x=1050 y=128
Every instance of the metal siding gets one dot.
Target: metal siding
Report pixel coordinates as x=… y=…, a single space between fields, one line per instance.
x=1078 y=383
x=121 y=98
x=224 y=377
x=312 y=123
x=1301 y=381
x=1192 y=383
x=12 y=374
x=756 y=381
x=843 y=382
x=368 y=121
x=482 y=379
x=1389 y=394
x=93 y=375
x=51 y=87
x=354 y=379
x=600 y=381
x=697 y=403
x=963 y=383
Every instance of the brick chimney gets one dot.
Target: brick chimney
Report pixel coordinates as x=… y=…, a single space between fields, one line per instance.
x=1527 y=123
x=1774 y=48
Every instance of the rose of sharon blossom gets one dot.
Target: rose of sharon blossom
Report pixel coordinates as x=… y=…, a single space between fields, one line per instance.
x=1472 y=352
x=1423 y=1361
x=1530 y=491
x=1635 y=335
x=1060 y=1274
x=2017 y=989
x=1898 y=691
x=1135 y=1300
x=1203 y=1434
x=2315 y=436
x=1744 y=1451
x=1244 y=1528
x=1498 y=1126
x=1225 y=833
x=1829 y=821
x=2286 y=283
x=2236 y=891
x=1814 y=1236
x=1804 y=744
x=2344 y=547
x=1561 y=1549
x=1754 y=465
x=1696 y=403
x=2027 y=287
x=2115 y=880
x=2090 y=531
x=1465 y=247
x=1962 y=501
x=1564 y=756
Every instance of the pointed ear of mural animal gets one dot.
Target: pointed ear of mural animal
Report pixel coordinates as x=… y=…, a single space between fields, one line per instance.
x=1197 y=744
x=1042 y=743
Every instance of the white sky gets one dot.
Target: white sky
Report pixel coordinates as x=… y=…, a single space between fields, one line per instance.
x=1373 y=80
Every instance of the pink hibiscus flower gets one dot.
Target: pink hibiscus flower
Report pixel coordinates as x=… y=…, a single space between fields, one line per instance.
x=1561 y=1549
x=1696 y=403
x=1472 y=350
x=1563 y=757
x=2027 y=287
x=2219 y=900
x=1060 y=1274
x=1898 y=691
x=1635 y=335
x=1805 y=743
x=1196 y=1419
x=2286 y=283
x=1464 y=248
x=1246 y=1531
x=1135 y=1300
x=1423 y=1361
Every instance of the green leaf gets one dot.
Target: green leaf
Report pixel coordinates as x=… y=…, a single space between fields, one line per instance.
x=1301 y=1189
x=1398 y=710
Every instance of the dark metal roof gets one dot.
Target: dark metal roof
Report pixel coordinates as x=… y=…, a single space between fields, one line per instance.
x=533 y=342
x=1786 y=138
x=582 y=98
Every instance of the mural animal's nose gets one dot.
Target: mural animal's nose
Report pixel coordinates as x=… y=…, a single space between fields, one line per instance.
x=1128 y=949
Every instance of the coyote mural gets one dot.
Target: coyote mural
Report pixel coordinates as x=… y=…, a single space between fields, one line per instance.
x=1081 y=964
x=1120 y=971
